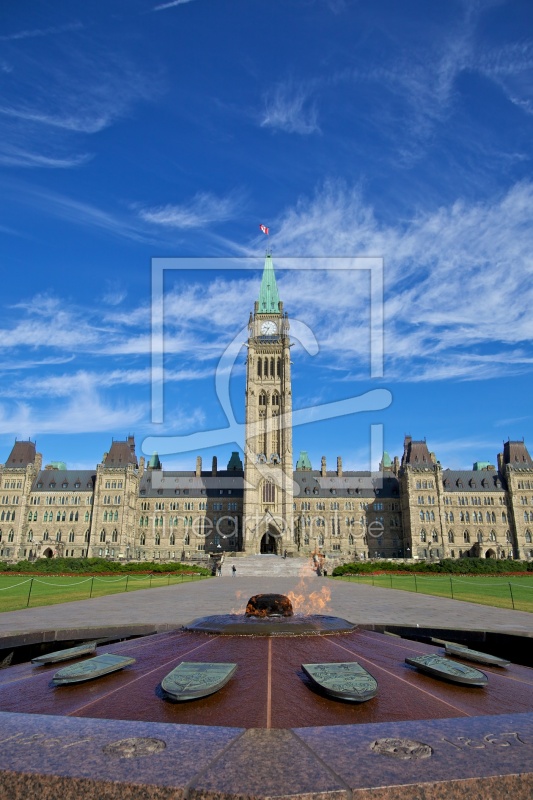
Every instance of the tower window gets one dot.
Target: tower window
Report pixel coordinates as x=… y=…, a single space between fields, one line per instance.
x=269 y=492
x=259 y=367
x=262 y=399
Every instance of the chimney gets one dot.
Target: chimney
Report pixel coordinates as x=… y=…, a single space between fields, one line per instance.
x=131 y=442
x=198 y=466
x=500 y=462
x=339 y=466
x=323 y=467
x=214 y=468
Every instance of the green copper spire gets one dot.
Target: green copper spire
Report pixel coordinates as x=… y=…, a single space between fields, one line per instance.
x=268 y=293
x=303 y=461
x=154 y=462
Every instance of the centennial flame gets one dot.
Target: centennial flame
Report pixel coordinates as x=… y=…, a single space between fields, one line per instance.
x=306 y=602
x=240 y=600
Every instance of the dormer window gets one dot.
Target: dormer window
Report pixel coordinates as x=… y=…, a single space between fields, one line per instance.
x=64 y=485
x=52 y=485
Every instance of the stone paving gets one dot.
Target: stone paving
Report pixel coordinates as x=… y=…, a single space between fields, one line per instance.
x=170 y=607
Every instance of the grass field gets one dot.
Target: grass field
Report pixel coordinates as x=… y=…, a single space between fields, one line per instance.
x=27 y=592
x=509 y=592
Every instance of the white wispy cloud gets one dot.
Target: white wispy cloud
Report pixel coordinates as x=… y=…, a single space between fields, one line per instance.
x=458 y=295
x=203 y=209
x=172 y=4
x=83 y=213
x=49 y=101
x=16 y=157
x=70 y=384
x=289 y=108
x=37 y=32
x=85 y=413
x=457 y=280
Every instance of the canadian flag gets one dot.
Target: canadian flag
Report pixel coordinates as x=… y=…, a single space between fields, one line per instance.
x=265 y=229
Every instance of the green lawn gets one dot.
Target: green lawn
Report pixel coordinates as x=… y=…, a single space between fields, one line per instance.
x=505 y=592
x=27 y=592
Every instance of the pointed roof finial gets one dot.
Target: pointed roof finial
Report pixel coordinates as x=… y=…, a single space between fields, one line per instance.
x=268 y=293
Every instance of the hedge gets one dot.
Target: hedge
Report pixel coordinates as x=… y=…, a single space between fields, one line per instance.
x=93 y=566
x=462 y=566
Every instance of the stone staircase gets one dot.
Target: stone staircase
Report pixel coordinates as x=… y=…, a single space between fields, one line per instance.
x=269 y=566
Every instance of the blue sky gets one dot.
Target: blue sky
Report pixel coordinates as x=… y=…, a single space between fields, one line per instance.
x=133 y=130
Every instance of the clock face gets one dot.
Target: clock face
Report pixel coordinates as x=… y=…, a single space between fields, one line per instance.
x=269 y=328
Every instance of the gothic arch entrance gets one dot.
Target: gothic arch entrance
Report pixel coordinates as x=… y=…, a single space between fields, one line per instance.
x=269 y=544
x=48 y=553
x=490 y=554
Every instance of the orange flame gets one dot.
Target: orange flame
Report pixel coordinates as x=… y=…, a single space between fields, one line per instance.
x=241 y=599
x=306 y=602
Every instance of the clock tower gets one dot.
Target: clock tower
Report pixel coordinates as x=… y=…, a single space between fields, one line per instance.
x=268 y=465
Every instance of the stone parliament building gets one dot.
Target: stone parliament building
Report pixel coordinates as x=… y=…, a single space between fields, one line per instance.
x=127 y=509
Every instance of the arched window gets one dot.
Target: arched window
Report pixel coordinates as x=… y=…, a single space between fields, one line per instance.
x=87 y=536
x=272 y=367
x=493 y=518
x=11 y=536
x=492 y=536
x=434 y=536
x=451 y=537
x=186 y=539
x=86 y=518
x=71 y=536
x=262 y=399
x=142 y=539
x=114 y=536
x=479 y=536
x=528 y=536
x=30 y=536
x=279 y=367
x=423 y=536
x=351 y=540
x=320 y=541
x=269 y=492
x=504 y=517
x=259 y=367
x=421 y=516
x=157 y=539
x=451 y=516
x=105 y=516
x=467 y=516
x=172 y=539
x=46 y=536
x=58 y=536
x=115 y=518
x=466 y=537
x=102 y=536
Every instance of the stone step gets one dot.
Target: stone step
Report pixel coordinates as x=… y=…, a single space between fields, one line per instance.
x=269 y=566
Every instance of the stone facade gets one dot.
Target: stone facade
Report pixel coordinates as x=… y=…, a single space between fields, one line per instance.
x=128 y=510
